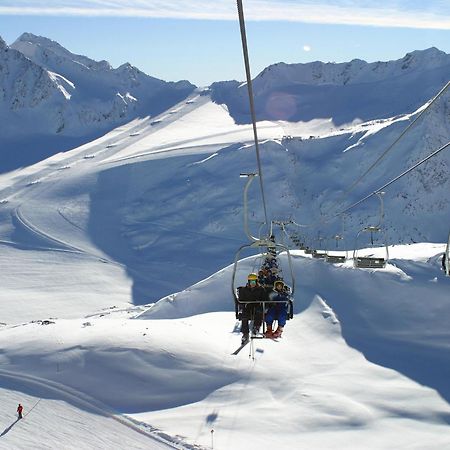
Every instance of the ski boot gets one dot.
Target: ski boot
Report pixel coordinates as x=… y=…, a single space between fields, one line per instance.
x=278 y=332
x=269 y=332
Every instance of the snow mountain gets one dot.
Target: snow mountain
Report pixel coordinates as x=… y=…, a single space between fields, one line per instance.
x=349 y=92
x=136 y=219
x=54 y=100
x=117 y=319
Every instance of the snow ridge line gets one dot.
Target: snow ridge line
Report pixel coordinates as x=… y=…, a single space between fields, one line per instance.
x=82 y=399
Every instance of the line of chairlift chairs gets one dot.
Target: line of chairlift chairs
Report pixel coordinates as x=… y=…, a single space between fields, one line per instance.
x=333 y=257
x=360 y=261
x=366 y=262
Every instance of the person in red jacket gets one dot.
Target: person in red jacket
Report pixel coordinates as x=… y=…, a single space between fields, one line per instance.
x=19 y=411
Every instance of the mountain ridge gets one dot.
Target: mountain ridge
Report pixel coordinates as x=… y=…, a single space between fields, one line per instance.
x=307 y=91
x=54 y=100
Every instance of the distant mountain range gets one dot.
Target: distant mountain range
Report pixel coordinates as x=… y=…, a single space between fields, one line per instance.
x=52 y=100
x=345 y=92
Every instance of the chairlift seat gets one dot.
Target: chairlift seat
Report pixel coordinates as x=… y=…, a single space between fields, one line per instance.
x=370 y=263
x=334 y=259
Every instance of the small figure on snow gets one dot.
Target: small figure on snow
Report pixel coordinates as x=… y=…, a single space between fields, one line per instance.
x=278 y=310
x=19 y=411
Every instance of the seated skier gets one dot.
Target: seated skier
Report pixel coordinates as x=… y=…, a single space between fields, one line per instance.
x=278 y=310
x=252 y=292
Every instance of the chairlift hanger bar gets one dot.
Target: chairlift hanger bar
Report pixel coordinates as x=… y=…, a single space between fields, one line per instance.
x=250 y=177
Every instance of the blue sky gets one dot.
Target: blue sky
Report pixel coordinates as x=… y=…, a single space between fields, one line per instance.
x=199 y=40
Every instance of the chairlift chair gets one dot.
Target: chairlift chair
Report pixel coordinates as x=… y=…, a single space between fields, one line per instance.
x=262 y=243
x=371 y=262
x=334 y=258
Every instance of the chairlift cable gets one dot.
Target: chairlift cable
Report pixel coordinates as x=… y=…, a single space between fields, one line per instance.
x=340 y=213
x=394 y=179
x=377 y=161
x=373 y=165
x=252 y=105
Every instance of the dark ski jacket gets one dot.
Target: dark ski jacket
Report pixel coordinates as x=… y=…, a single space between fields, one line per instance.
x=248 y=294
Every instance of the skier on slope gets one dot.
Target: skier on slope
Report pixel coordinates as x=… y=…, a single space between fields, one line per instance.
x=19 y=411
x=278 y=310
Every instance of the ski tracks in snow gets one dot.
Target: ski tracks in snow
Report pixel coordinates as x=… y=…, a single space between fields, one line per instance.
x=79 y=399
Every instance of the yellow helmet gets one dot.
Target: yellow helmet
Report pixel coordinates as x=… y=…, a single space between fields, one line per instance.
x=252 y=277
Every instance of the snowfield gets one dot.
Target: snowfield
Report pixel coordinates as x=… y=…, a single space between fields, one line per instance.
x=171 y=367
x=117 y=320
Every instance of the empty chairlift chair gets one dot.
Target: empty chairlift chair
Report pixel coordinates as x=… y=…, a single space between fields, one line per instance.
x=335 y=258
x=372 y=262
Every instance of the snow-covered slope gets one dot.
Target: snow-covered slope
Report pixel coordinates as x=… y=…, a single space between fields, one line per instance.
x=54 y=100
x=92 y=238
x=58 y=417
x=166 y=189
x=24 y=86
x=173 y=370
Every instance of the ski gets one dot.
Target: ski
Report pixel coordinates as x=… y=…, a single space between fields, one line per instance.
x=255 y=337
x=241 y=347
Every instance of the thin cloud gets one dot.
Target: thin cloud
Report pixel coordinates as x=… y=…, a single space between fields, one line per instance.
x=433 y=15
